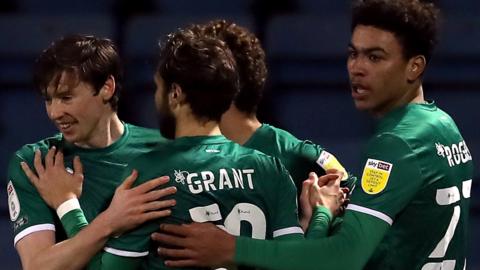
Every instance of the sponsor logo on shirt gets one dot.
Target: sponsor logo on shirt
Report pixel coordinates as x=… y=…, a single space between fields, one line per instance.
x=198 y=182
x=455 y=154
x=20 y=222
x=13 y=203
x=375 y=176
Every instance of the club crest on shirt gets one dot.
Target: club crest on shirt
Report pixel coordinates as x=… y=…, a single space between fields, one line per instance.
x=375 y=176
x=13 y=203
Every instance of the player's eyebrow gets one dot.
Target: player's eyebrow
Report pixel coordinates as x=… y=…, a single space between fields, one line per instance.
x=368 y=49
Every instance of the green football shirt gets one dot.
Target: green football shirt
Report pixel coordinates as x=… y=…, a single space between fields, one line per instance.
x=417 y=177
x=299 y=157
x=243 y=191
x=103 y=169
x=410 y=210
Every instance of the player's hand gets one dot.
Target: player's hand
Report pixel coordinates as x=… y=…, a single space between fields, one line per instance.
x=54 y=183
x=131 y=207
x=329 y=194
x=198 y=244
x=305 y=205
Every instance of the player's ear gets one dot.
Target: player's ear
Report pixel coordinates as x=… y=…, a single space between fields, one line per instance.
x=176 y=95
x=416 y=67
x=108 y=89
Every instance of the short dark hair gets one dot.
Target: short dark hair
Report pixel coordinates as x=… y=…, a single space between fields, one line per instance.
x=413 y=22
x=91 y=58
x=203 y=67
x=250 y=58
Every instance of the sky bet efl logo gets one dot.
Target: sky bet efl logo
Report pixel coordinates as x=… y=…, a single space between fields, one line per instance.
x=375 y=176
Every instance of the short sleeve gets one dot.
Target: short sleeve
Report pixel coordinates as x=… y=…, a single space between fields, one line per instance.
x=391 y=174
x=28 y=211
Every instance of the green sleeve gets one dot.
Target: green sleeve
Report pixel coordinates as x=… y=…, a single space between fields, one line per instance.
x=27 y=208
x=73 y=222
x=284 y=213
x=391 y=174
x=320 y=223
x=357 y=240
x=322 y=160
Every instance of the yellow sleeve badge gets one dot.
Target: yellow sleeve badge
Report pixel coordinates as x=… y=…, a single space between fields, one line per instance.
x=375 y=176
x=328 y=161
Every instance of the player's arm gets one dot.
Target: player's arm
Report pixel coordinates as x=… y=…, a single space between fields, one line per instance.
x=129 y=208
x=320 y=158
x=367 y=219
x=362 y=230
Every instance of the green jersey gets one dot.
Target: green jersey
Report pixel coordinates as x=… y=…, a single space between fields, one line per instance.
x=410 y=212
x=417 y=178
x=241 y=190
x=103 y=169
x=299 y=157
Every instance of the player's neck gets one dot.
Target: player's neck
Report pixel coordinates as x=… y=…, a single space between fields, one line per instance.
x=188 y=125
x=108 y=131
x=238 y=126
x=410 y=97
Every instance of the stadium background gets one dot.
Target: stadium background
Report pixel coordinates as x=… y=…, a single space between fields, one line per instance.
x=307 y=92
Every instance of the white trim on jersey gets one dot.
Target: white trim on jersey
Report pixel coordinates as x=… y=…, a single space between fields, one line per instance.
x=32 y=229
x=289 y=230
x=370 y=212
x=125 y=253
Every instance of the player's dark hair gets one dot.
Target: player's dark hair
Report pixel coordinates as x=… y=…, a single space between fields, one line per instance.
x=250 y=58
x=91 y=58
x=413 y=22
x=203 y=67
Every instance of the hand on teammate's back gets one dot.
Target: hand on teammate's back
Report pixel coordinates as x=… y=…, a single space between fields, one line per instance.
x=131 y=207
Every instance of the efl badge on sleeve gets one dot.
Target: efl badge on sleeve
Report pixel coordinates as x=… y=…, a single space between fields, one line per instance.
x=13 y=203
x=375 y=176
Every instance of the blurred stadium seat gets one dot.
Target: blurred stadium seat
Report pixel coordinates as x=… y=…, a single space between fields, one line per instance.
x=307 y=50
x=24 y=37
x=327 y=117
x=142 y=36
x=188 y=7
x=324 y=7
x=456 y=61
x=61 y=7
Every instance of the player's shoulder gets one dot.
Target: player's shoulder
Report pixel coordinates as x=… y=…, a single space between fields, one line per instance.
x=27 y=151
x=268 y=130
x=144 y=134
x=258 y=158
x=26 y=154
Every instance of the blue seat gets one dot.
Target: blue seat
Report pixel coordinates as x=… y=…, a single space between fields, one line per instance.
x=324 y=7
x=307 y=50
x=142 y=37
x=62 y=7
x=22 y=120
x=188 y=7
x=24 y=37
x=326 y=116
x=457 y=58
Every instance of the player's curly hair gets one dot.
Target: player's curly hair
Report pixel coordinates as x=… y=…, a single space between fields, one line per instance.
x=203 y=67
x=250 y=58
x=414 y=22
x=91 y=58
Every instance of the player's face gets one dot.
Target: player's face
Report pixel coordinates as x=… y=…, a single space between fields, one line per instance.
x=377 y=70
x=74 y=109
